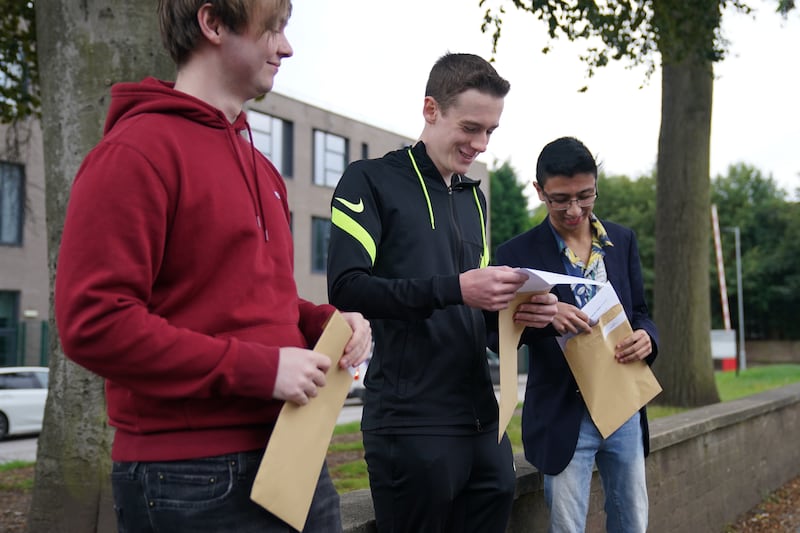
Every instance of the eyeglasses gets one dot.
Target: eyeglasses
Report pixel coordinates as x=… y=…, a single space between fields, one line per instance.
x=560 y=204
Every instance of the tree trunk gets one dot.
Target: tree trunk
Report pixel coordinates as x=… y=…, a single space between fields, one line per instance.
x=682 y=306
x=83 y=47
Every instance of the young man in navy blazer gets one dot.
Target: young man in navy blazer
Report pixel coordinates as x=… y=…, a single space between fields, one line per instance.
x=559 y=436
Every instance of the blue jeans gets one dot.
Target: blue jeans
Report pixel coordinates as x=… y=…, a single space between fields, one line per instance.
x=208 y=495
x=620 y=461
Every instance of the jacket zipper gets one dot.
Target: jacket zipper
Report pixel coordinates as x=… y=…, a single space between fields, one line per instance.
x=459 y=245
x=459 y=251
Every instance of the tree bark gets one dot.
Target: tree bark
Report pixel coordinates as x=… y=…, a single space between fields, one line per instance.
x=682 y=305
x=83 y=48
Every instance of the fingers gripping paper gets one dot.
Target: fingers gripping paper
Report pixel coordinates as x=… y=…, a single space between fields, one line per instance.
x=509 y=333
x=539 y=282
x=288 y=474
x=613 y=392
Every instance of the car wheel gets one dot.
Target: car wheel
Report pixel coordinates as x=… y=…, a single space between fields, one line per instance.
x=3 y=426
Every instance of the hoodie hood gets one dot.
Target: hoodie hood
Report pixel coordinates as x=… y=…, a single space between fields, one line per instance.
x=156 y=96
x=153 y=96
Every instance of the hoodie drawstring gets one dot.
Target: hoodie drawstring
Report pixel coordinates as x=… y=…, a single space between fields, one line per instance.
x=260 y=214
x=258 y=208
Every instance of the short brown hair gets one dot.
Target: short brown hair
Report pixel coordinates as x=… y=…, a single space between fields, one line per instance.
x=180 y=31
x=453 y=74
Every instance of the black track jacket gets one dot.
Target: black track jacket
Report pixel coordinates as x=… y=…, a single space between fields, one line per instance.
x=396 y=251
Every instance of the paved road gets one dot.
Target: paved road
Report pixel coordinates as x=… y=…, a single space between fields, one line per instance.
x=24 y=448
x=18 y=449
x=352 y=408
x=351 y=412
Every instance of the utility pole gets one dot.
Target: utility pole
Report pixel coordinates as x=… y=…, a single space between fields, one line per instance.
x=740 y=300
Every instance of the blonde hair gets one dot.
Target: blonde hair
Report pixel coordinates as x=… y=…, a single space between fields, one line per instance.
x=180 y=31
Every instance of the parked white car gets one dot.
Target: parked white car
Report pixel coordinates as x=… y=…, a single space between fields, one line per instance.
x=357 y=387
x=23 y=392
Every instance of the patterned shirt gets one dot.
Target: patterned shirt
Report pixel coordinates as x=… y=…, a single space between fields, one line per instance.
x=596 y=267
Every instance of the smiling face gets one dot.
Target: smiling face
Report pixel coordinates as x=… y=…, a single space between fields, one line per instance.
x=251 y=58
x=561 y=189
x=456 y=136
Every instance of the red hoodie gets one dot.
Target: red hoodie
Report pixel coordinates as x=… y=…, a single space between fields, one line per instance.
x=175 y=279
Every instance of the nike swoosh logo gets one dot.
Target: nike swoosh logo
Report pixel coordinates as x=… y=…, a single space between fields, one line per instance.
x=356 y=208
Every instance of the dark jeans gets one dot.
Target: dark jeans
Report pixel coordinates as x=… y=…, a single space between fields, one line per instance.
x=208 y=495
x=440 y=484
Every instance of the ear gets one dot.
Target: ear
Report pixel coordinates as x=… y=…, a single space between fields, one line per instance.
x=430 y=110
x=539 y=190
x=209 y=23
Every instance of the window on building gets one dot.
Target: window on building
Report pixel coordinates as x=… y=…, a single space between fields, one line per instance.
x=9 y=318
x=330 y=158
x=274 y=137
x=320 y=235
x=364 y=151
x=11 y=203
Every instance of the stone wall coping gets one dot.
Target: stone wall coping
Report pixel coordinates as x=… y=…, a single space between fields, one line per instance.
x=357 y=513
x=670 y=430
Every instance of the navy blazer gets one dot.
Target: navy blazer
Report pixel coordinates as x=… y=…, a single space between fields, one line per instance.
x=553 y=407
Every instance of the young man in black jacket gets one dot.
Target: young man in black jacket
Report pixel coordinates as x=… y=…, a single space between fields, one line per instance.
x=408 y=250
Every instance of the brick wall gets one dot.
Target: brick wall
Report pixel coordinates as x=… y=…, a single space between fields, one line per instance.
x=706 y=467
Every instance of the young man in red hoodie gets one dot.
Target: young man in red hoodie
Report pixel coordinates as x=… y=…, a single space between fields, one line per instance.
x=175 y=281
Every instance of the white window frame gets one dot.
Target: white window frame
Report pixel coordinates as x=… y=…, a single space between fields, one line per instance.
x=12 y=203
x=319 y=249
x=330 y=157
x=272 y=137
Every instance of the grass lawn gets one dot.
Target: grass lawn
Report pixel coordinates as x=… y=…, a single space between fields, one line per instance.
x=18 y=476
x=754 y=380
x=352 y=474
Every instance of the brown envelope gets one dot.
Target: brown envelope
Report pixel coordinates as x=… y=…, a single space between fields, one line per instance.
x=288 y=474
x=613 y=392
x=509 y=333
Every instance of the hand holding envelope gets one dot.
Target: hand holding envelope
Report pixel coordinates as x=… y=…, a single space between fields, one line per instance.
x=292 y=462
x=539 y=281
x=613 y=392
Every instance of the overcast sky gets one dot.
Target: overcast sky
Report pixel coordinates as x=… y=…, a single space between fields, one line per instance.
x=370 y=59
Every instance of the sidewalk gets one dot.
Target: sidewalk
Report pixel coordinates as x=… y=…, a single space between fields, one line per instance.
x=18 y=449
x=522 y=379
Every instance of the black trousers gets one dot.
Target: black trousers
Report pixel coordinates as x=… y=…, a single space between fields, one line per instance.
x=436 y=484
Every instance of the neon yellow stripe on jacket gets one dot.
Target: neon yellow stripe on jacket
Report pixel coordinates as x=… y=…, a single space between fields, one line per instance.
x=344 y=222
x=485 y=255
x=424 y=188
